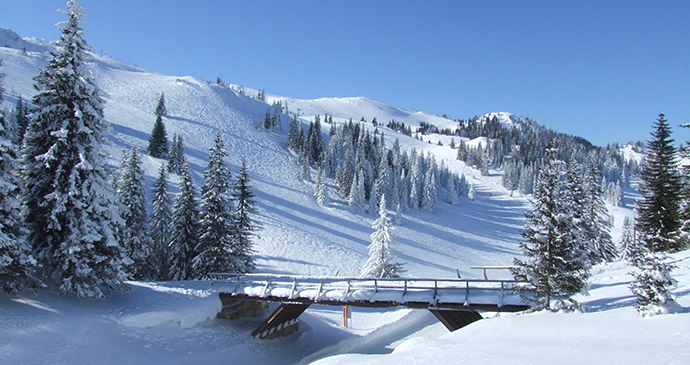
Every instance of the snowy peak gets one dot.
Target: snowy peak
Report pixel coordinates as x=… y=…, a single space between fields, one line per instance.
x=10 y=39
x=506 y=120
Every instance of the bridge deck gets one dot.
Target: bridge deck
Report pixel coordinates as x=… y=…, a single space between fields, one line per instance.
x=489 y=295
x=453 y=301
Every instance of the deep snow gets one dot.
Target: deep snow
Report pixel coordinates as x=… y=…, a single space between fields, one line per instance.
x=172 y=322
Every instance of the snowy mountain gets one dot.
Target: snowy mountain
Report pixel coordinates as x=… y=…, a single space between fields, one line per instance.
x=172 y=322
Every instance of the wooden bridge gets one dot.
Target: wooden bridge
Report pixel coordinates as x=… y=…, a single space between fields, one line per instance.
x=455 y=302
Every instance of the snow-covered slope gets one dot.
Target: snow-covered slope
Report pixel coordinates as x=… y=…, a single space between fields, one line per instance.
x=609 y=332
x=297 y=236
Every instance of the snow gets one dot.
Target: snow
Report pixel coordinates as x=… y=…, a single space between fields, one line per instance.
x=173 y=322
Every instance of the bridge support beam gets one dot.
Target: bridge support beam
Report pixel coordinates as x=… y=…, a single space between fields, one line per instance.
x=456 y=319
x=282 y=322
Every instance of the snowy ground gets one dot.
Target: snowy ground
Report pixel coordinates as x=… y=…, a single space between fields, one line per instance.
x=173 y=322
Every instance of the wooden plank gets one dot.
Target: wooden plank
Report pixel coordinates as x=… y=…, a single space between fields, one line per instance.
x=286 y=313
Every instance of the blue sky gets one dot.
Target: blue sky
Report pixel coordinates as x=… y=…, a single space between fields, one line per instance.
x=602 y=70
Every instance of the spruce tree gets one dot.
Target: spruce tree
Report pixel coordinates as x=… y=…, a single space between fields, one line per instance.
x=159 y=229
x=320 y=188
x=132 y=194
x=245 y=225
x=217 y=242
x=659 y=214
x=16 y=263
x=554 y=264
x=596 y=218
x=382 y=249
x=356 y=200
x=293 y=135
x=184 y=235
x=21 y=118
x=275 y=120
x=69 y=206
x=158 y=142
x=626 y=241
x=177 y=159
x=429 y=194
x=653 y=280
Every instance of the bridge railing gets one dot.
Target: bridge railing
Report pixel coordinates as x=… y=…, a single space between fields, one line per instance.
x=381 y=290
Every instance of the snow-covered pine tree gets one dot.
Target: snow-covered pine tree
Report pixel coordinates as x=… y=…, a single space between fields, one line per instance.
x=554 y=264
x=320 y=188
x=177 y=158
x=16 y=262
x=347 y=172
x=184 y=235
x=245 y=225
x=132 y=195
x=159 y=230
x=315 y=141
x=416 y=177
x=356 y=200
x=654 y=280
x=275 y=120
x=658 y=219
x=452 y=195
x=429 y=194
x=382 y=249
x=69 y=206
x=596 y=218
x=21 y=119
x=158 y=142
x=293 y=135
x=304 y=160
x=217 y=243
x=383 y=179
x=625 y=243
x=266 y=122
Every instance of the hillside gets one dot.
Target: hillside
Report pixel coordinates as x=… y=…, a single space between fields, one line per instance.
x=298 y=236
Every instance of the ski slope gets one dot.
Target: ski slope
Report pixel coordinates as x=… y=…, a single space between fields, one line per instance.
x=173 y=322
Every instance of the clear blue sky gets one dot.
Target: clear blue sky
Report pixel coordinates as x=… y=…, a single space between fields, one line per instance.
x=602 y=70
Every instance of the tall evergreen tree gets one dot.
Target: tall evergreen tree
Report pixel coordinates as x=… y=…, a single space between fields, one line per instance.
x=356 y=199
x=429 y=194
x=626 y=241
x=177 y=158
x=315 y=141
x=158 y=142
x=132 y=194
x=159 y=230
x=69 y=206
x=16 y=262
x=653 y=280
x=275 y=120
x=293 y=135
x=217 y=243
x=554 y=262
x=320 y=188
x=21 y=117
x=659 y=210
x=184 y=235
x=602 y=248
x=382 y=249
x=245 y=225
